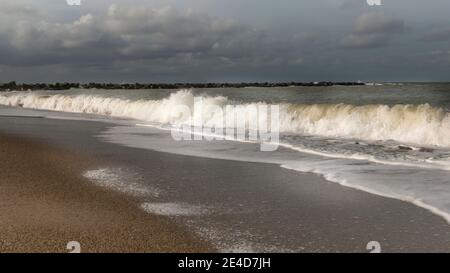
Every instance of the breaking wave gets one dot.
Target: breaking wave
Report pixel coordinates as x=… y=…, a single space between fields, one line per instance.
x=418 y=124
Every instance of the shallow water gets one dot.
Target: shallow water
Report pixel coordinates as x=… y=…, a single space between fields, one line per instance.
x=237 y=206
x=390 y=139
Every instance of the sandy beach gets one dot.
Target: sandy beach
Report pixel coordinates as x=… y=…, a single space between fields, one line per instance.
x=45 y=203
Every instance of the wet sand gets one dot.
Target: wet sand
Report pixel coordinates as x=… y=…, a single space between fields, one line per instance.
x=45 y=203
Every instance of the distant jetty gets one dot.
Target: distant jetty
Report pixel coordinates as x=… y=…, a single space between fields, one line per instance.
x=13 y=86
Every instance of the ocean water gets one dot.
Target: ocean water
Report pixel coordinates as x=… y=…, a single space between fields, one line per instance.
x=390 y=139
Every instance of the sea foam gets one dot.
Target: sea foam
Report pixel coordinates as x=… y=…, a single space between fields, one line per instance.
x=415 y=124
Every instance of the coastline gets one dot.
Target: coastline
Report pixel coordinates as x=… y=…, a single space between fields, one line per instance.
x=260 y=205
x=45 y=203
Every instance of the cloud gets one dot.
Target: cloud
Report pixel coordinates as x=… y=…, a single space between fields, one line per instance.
x=124 y=33
x=437 y=35
x=440 y=55
x=373 y=30
x=378 y=23
x=352 y=4
x=214 y=40
x=373 y=40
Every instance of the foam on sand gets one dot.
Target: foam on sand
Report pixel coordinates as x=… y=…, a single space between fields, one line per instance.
x=120 y=180
x=173 y=209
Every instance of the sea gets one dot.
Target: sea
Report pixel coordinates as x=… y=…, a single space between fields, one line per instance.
x=388 y=139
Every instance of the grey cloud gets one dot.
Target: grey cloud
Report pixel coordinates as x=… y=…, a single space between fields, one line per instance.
x=373 y=30
x=378 y=23
x=127 y=33
x=440 y=55
x=372 y=40
x=437 y=35
x=208 y=40
x=352 y=4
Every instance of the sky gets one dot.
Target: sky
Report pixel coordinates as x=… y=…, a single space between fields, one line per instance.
x=224 y=40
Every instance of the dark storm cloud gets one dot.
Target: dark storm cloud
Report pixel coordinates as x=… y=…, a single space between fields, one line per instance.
x=437 y=35
x=215 y=40
x=140 y=38
x=352 y=4
x=125 y=33
x=373 y=30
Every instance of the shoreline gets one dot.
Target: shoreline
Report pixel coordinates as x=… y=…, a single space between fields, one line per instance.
x=45 y=203
x=259 y=205
x=416 y=202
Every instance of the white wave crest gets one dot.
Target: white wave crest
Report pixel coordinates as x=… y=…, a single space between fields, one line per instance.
x=418 y=124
